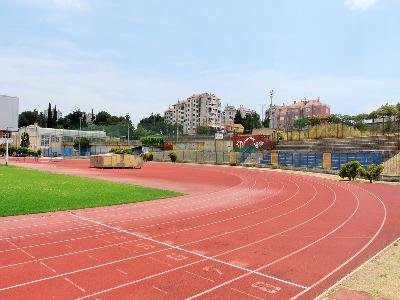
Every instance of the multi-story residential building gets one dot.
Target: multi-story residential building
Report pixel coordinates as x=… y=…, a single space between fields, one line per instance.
x=283 y=116
x=228 y=115
x=244 y=111
x=198 y=109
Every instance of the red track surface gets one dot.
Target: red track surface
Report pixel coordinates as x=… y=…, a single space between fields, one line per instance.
x=236 y=234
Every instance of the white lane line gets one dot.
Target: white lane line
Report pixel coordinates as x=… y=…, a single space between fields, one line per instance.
x=58 y=242
x=201 y=197
x=160 y=261
x=74 y=284
x=286 y=256
x=67 y=254
x=229 y=219
x=247 y=294
x=202 y=215
x=197 y=275
x=80 y=270
x=128 y=220
x=48 y=267
x=97 y=236
x=22 y=250
x=44 y=233
x=356 y=254
x=160 y=290
x=190 y=252
x=106 y=264
x=121 y=271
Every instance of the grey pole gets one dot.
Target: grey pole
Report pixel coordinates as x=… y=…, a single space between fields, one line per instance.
x=6 y=146
x=80 y=128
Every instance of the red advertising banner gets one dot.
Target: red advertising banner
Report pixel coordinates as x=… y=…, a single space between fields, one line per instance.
x=252 y=142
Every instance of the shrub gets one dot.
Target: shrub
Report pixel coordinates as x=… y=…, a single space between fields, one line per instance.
x=371 y=173
x=172 y=156
x=349 y=170
x=121 y=151
x=149 y=156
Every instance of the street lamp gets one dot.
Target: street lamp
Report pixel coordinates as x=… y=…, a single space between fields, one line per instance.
x=127 y=119
x=271 y=122
x=80 y=129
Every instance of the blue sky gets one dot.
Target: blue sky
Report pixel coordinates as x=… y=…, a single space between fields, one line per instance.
x=138 y=57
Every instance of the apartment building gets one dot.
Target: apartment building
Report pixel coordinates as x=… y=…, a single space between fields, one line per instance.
x=228 y=115
x=198 y=109
x=283 y=116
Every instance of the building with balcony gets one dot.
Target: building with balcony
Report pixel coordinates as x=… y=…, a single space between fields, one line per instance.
x=283 y=116
x=199 y=109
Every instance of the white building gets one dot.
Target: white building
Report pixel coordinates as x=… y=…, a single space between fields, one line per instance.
x=53 y=141
x=228 y=115
x=199 y=109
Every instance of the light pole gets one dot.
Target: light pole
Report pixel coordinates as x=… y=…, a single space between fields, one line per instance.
x=80 y=129
x=7 y=146
x=271 y=119
x=127 y=119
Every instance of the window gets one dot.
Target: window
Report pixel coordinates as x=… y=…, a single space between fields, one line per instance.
x=44 y=141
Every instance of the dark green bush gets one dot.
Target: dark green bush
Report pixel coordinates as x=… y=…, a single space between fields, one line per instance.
x=121 y=151
x=371 y=173
x=172 y=156
x=349 y=170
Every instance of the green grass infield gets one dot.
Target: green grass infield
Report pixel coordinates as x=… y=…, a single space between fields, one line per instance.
x=25 y=191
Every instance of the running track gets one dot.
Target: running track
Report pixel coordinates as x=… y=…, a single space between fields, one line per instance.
x=236 y=234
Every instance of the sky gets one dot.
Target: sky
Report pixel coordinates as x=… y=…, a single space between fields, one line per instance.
x=138 y=57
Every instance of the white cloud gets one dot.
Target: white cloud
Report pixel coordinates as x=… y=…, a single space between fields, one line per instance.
x=78 y=5
x=360 y=5
x=84 y=81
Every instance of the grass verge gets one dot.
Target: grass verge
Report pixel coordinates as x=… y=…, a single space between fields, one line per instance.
x=25 y=191
x=380 y=277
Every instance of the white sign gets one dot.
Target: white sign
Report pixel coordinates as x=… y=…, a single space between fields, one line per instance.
x=219 y=136
x=9 y=113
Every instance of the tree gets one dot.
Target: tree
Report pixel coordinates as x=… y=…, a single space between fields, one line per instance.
x=42 y=122
x=49 y=117
x=349 y=170
x=238 y=119
x=73 y=119
x=102 y=118
x=371 y=173
x=83 y=142
x=54 y=120
x=203 y=130
x=251 y=121
x=300 y=123
x=25 y=140
x=27 y=118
